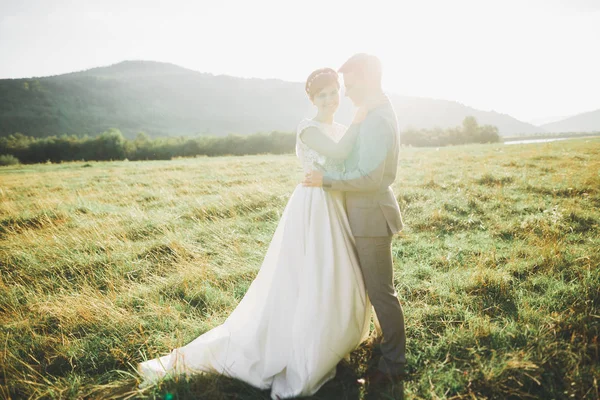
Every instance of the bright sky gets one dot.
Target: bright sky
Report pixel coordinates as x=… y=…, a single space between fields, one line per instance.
x=532 y=59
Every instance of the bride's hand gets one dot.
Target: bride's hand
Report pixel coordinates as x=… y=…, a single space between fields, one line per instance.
x=360 y=115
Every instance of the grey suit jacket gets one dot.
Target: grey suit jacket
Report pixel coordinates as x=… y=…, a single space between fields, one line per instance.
x=370 y=169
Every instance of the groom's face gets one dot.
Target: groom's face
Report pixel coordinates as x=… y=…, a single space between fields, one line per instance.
x=354 y=87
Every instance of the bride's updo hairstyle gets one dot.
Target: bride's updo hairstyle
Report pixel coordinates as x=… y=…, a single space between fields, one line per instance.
x=320 y=79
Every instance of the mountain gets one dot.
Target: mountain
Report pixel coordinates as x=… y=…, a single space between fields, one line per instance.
x=420 y=112
x=546 y=120
x=585 y=122
x=164 y=99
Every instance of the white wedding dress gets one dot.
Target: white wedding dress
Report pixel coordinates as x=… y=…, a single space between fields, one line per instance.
x=306 y=309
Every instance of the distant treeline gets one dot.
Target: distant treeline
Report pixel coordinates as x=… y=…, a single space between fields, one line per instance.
x=112 y=145
x=469 y=132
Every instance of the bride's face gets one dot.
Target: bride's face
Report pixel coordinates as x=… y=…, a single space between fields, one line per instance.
x=328 y=99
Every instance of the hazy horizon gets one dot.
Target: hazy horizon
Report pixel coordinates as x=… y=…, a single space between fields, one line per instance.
x=533 y=61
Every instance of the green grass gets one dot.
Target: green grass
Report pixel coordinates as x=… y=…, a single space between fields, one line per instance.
x=105 y=264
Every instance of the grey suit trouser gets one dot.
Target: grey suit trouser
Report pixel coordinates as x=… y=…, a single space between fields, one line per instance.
x=375 y=257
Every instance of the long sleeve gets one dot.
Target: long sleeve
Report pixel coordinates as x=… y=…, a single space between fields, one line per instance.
x=321 y=143
x=376 y=138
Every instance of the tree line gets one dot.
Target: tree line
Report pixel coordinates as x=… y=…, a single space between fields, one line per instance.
x=112 y=145
x=469 y=132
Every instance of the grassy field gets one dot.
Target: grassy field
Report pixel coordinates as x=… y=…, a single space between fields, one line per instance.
x=105 y=264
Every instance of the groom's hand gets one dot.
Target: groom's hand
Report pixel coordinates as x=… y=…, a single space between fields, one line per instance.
x=313 y=179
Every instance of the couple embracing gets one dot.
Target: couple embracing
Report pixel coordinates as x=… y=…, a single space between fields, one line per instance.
x=329 y=262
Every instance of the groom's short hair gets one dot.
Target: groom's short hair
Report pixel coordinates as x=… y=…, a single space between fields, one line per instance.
x=365 y=64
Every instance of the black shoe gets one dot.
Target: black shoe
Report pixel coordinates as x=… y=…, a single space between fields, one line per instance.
x=380 y=378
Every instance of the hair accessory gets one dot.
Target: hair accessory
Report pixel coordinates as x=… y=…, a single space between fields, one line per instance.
x=325 y=72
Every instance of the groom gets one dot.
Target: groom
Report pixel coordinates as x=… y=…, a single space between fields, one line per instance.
x=373 y=211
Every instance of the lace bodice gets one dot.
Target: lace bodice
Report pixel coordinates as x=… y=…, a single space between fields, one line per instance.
x=309 y=157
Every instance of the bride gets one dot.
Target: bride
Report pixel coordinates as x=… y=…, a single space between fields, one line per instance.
x=307 y=308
